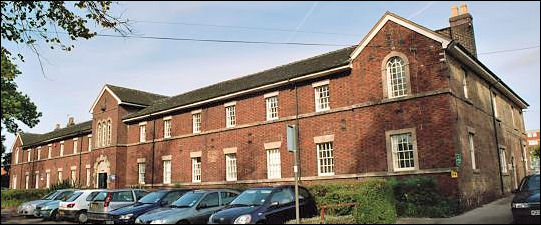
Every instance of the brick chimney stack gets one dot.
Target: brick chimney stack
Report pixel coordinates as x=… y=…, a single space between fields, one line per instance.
x=461 y=28
x=57 y=126
x=71 y=121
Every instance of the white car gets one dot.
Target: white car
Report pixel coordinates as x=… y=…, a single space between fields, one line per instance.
x=76 y=206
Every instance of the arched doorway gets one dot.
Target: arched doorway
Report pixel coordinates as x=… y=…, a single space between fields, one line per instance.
x=102 y=172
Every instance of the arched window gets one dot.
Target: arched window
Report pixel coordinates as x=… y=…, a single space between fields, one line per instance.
x=99 y=135
x=103 y=133
x=396 y=77
x=17 y=156
x=109 y=132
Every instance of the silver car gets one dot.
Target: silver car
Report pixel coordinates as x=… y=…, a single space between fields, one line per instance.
x=107 y=201
x=28 y=208
x=194 y=207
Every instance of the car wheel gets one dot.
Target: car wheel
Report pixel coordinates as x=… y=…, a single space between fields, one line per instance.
x=55 y=216
x=82 y=217
x=183 y=222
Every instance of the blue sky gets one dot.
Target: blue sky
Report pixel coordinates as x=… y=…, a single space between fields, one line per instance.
x=73 y=80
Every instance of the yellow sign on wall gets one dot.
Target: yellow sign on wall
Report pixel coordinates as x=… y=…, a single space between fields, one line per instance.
x=454 y=172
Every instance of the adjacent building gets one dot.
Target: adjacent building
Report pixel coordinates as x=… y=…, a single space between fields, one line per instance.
x=405 y=101
x=533 y=142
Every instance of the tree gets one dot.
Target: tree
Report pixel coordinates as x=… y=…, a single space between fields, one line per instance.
x=31 y=23
x=535 y=151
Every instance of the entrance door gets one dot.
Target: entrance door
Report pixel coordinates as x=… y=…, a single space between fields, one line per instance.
x=102 y=180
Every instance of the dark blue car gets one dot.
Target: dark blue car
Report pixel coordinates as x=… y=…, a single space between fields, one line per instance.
x=148 y=203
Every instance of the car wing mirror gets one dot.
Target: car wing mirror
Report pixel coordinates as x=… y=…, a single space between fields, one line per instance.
x=202 y=205
x=274 y=204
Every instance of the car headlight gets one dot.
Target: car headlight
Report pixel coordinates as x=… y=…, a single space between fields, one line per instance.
x=521 y=205
x=244 y=219
x=162 y=221
x=126 y=217
x=138 y=220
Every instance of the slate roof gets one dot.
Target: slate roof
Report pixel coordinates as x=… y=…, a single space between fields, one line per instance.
x=30 y=139
x=296 y=69
x=135 y=96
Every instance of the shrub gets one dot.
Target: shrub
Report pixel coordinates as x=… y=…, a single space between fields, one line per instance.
x=13 y=198
x=376 y=203
x=420 y=197
x=328 y=220
x=375 y=199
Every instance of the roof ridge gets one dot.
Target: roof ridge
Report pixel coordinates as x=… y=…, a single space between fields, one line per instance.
x=81 y=123
x=132 y=89
x=262 y=71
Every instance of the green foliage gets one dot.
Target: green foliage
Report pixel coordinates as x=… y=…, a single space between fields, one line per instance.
x=375 y=199
x=65 y=184
x=420 y=197
x=328 y=220
x=376 y=203
x=534 y=151
x=13 y=198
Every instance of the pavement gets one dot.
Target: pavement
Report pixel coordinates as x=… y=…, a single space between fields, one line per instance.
x=9 y=216
x=496 y=212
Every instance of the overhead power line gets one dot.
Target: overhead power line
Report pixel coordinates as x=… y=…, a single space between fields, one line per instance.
x=509 y=50
x=244 y=27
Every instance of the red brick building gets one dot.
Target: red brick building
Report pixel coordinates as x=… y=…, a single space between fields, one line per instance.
x=534 y=140
x=405 y=101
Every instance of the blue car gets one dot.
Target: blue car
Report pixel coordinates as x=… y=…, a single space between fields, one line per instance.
x=148 y=203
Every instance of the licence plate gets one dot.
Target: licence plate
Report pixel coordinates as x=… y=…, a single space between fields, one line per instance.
x=93 y=206
x=534 y=212
x=109 y=222
x=61 y=213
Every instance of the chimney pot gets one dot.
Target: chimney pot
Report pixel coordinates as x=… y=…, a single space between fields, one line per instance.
x=454 y=11
x=463 y=9
x=71 y=121
x=57 y=126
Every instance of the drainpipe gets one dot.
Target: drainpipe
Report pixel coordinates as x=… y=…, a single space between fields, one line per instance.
x=497 y=140
x=80 y=156
x=32 y=173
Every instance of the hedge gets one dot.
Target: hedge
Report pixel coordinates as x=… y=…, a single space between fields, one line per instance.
x=375 y=198
x=328 y=220
x=12 y=198
x=420 y=197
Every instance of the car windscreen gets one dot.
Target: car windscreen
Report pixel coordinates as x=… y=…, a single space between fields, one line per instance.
x=63 y=196
x=122 y=196
x=253 y=197
x=74 y=196
x=101 y=196
x=50 y=196
x=532 y=184
x=187 y=200
x=92 y=195
x=153 y=197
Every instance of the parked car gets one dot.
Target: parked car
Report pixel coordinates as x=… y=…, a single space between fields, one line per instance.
x=266 y=205
x=525 y=205
x=107 y=201
x=76 y=206
x=49 y=209
x=148 y=203
x=27 y=208
x=194 y=207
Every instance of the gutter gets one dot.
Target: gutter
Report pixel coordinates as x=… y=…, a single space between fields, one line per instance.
x=235 y=94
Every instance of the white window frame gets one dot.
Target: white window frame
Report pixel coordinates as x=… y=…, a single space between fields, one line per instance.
x=274 y=164
x=392 y=152
x=494 y=103
x=196 y=123
x=62 y=148
x=471 y=144
x=325 y=158
x=167 y=127
x=142 y=132
x=27 y=181
x=322 y=103
x=36 y=175
x=196 y=170
x=533 y=142
x=230 y=116
x=49 y=154
x=48 y=179
x=141 y=170
x=166 y=171
x=271 y=103
x=29 y=153
x=39 y=152
x=75 y=143
x=503 y=160
x=88 y=177
x=17 y=156
x=109 y=133
x=59 y=174
x=98 y=140
x=390 y=85
x=14 y=182
x=231 y=167
x=73 y=176
x=89 y=143
x=465 y=83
